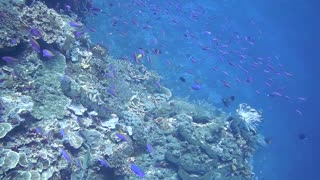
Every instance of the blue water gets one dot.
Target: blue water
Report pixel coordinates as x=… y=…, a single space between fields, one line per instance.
x=206 y=41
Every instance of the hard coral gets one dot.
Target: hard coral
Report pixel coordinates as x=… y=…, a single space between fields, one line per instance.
x=17 y=21
x=9 y=24
x=53 y=26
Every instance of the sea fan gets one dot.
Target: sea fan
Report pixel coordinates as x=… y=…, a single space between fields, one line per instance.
x=250 y=116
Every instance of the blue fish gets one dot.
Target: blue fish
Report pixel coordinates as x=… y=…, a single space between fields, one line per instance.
x=103 y=162
x=196 y=87
x=137 y=170
x=78 y=33
x=121 y=136
x=66 y=155
x=75 y=24
x=35 y=32
x=109 y=75
x=47 y=53
x=149 y=147
x=35 y=45
x=38 y=130
x=112 y=91
x=9 y=59
x=62 y=133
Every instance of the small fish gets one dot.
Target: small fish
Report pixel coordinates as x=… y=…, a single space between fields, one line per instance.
x=38 y=130
x=14 y=41
x=137 y=170
x=35 y=45
x=66 y=155
x=196 y=87
x=112 y=91
x=75 y=24
x=35 y=32
x=226 y=84
x=302 y=136
x=302 y=99
x=158 y=84
x=299 y=112
x=78 y=33
x=67 y=7
x=47 y=53
x=92 y=29
x=149 y=147
x=62 y=133
x=182 y=79
x=121 y=136
x=228 y=100
x=78 y=163
x=96 y=9
x=268 y=140
x=103 y=162
x=156 y=51
x=9 y=59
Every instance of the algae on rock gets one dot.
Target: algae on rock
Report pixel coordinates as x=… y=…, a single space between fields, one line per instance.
x=4 y=129
x=50 y=101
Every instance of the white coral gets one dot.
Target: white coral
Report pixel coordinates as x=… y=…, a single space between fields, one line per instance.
x=250 y=116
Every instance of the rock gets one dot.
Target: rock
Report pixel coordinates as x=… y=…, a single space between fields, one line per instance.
x=23 y=161
x=111 y=123
x=11 y=159
x=93 y=137
x=202 y=119
x=74 y=140
x=77 y=109
x=50 y=101
x=19 y=175
x=129 y=130
x=35 y=175
x=4 y=129
x=14 y=104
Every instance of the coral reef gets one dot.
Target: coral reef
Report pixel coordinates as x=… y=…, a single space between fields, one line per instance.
x=18 y=21
x=83 y=114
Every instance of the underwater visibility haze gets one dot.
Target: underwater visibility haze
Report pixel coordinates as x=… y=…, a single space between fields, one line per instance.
x=159 y=89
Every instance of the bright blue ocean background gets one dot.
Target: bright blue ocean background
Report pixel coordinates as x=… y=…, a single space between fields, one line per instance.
x=282 y=33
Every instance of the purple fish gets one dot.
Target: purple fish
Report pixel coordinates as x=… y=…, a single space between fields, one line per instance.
x=196 y=87
x=47 y=53
x=9 y=59
x=109 y=75
x=35 y=32
x=103 y=162
x=14 y=41
x=35 y=45
x=67 y=7
x=62 y=132
x=38 y=130
x=137 y=170
x=121 y=136
x=112 y=92
x=78 y=33
x=149 y=147
x=78 y=163
x=158 y=84
x=96 y=9
x=66 y=155
x=75 y=24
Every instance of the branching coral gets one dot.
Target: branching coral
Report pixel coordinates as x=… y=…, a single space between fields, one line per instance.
x=250 y=116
